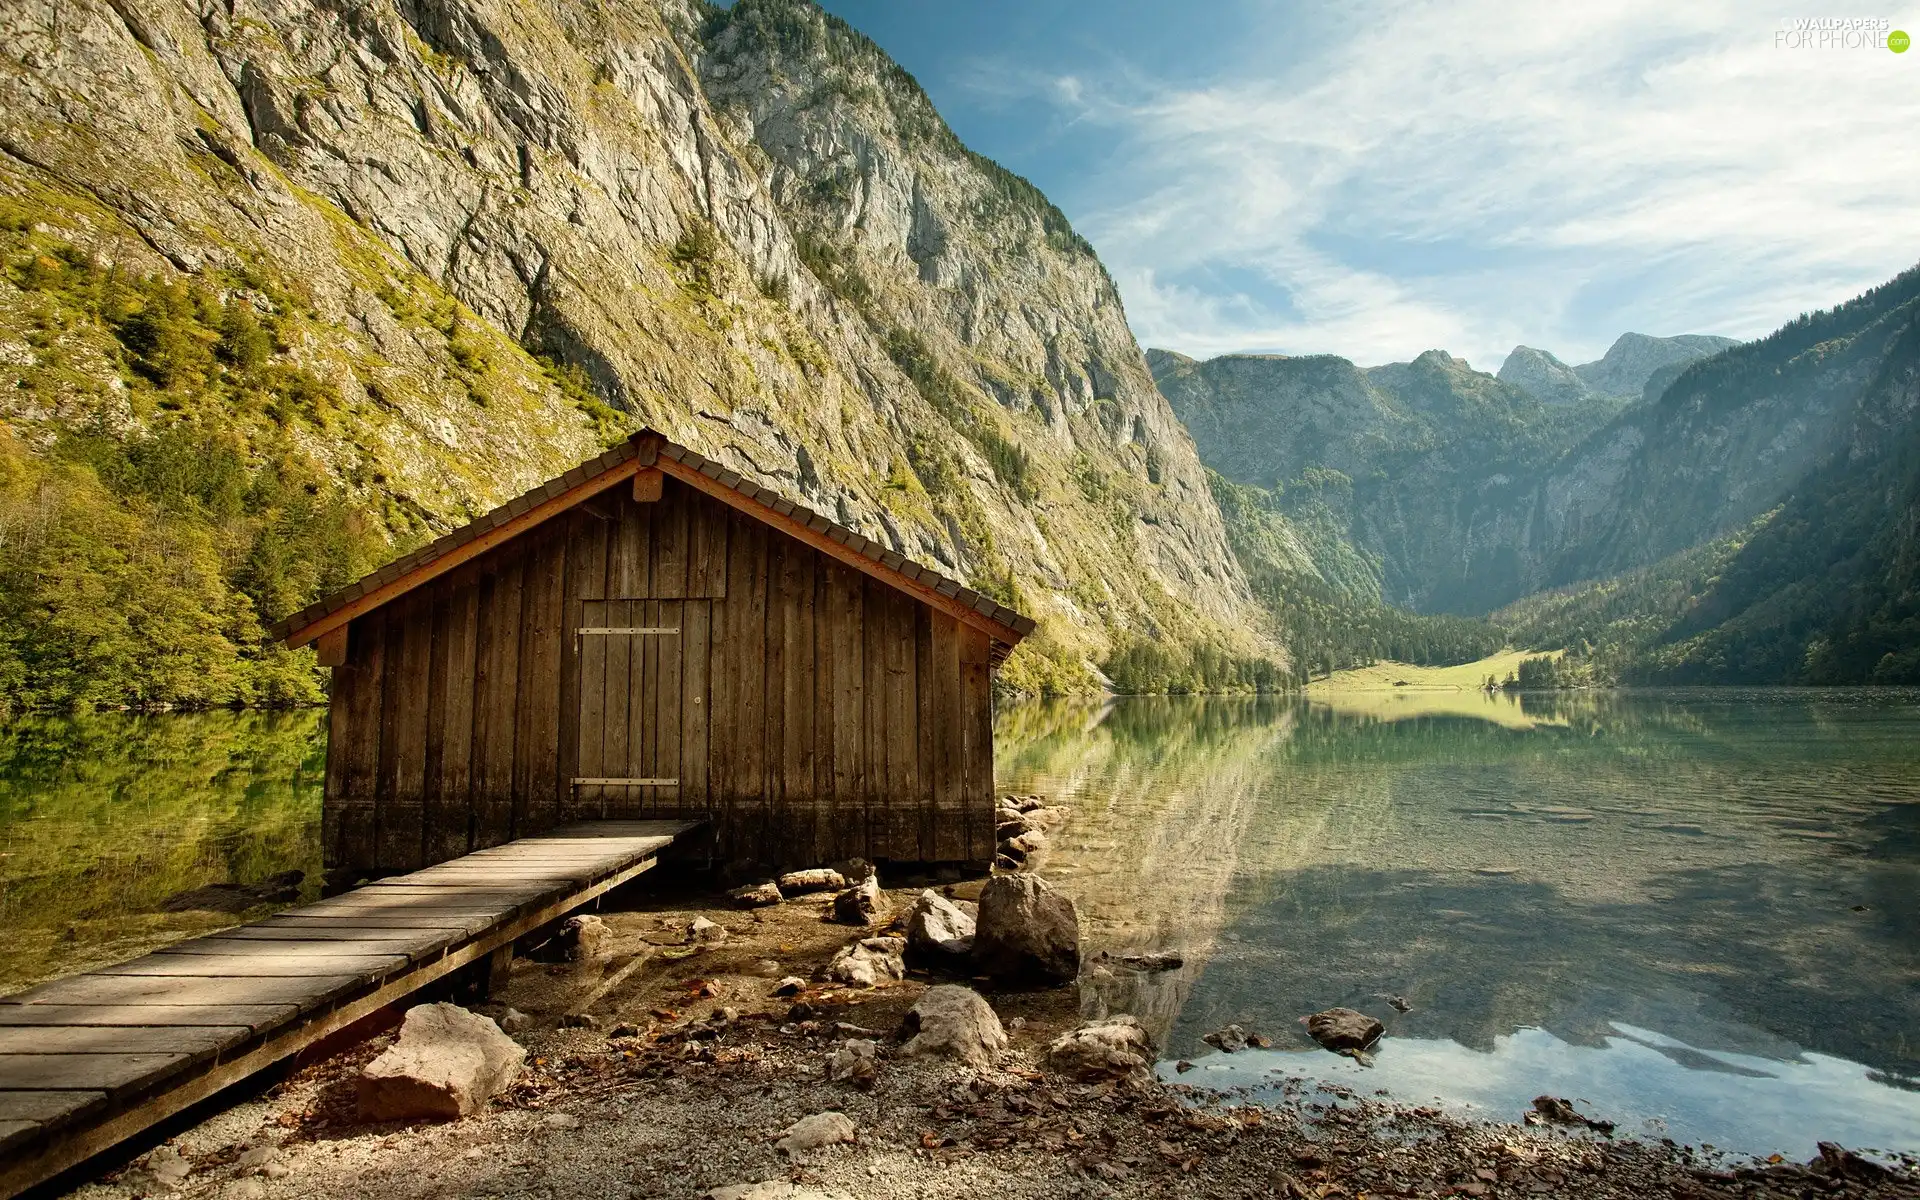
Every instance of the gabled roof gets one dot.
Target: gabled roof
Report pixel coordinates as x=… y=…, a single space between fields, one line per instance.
x=645 y=449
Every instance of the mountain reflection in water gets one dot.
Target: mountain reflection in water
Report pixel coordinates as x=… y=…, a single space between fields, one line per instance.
x=1695 y=909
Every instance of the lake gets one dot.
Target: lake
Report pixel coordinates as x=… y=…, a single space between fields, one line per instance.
x=1697 y=912
x=104 y=817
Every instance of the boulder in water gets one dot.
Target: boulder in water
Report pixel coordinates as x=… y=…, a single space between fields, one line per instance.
x=1343 y=1029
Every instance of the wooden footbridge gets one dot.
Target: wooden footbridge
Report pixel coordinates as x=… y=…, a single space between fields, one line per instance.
x=90 y=1060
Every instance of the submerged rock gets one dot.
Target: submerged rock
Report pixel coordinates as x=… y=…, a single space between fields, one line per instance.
x=938 y=929
x=1232 y=1039
x=957 y=1022
x=1117 y=1046
x=701 y=931
x=1144 y=962
x=446 y=1064
x=237 y=897
x=861 y=904
x=1344 y=1029
x=869 y=962
x=1556 y=1111
x=1026 y=931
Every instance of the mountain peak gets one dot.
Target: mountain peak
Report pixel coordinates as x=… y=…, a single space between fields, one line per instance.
x=1626 y=370
x=1543 y=376
x=1634 y=358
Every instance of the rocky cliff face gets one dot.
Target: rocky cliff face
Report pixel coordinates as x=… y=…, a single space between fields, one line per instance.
x=1731 y=438
x=494 y=233
x=1264 y=418
x=1431 y=461
x=1816 y=427
x=997 y=314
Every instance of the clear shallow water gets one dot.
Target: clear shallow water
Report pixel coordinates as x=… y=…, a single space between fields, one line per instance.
x=1698 y=911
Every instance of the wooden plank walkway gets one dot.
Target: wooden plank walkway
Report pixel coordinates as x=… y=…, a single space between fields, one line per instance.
x=90 y=1060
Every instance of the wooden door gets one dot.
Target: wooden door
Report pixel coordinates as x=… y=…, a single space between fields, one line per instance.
x=642 y=707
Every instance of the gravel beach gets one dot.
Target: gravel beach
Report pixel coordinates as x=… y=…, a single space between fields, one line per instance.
x=665 y=1066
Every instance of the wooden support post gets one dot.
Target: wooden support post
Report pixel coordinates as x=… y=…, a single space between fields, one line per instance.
x=499 y=969
x=647 y=484
x=332 y=646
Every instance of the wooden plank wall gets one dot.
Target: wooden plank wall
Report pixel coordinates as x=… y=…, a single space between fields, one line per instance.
x=813 y=712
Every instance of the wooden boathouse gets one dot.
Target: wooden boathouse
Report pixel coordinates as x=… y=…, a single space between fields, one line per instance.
x=650 y=637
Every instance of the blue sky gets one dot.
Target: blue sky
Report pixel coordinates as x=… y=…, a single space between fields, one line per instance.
x=1377 y=180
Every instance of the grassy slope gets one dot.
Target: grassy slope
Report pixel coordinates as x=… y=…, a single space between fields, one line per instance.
x=1388 y=675
x=1429 y=692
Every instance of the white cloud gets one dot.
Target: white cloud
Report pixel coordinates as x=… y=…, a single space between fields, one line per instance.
x=1470 y=175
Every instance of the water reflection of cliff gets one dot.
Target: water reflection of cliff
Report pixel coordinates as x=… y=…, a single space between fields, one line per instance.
x=1163 y=792
x=1733 y=870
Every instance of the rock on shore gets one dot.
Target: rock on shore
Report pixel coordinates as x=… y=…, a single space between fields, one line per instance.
x=869 y=962
x=818 y=879
x=1117 y=1046
x=814 y=1132
x=957 y=1022
x=861 y=904
x=447 y=1063
x=938 y=929
x=1026 y=931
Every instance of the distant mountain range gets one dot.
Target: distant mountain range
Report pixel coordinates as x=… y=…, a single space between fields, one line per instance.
x=1635 y=367
x=1710 y=511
